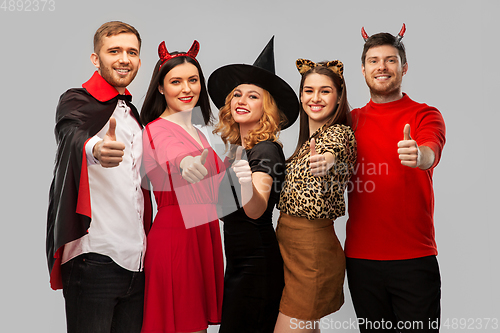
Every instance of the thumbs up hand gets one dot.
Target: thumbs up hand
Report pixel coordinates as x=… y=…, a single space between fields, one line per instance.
x=108 y=151
x=193 y=169
x=242 y=169
x=110 y=134
x=409 y=152
x=317 y=162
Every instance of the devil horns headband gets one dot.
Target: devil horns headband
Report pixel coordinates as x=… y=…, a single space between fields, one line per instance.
x=166 y=56
x=398 y=37
x=336 y=66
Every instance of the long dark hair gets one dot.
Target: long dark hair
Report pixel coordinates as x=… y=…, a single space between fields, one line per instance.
x=340 y=115
x=154 y=103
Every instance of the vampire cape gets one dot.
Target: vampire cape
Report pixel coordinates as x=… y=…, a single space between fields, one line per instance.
x=81 y=114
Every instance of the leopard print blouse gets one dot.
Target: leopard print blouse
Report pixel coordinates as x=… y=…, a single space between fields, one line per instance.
x=305 y=195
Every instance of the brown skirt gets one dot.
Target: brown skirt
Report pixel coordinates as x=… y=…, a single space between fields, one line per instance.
x=314 y=265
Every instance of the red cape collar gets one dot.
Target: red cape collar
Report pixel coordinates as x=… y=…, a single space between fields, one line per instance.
x=100 y=89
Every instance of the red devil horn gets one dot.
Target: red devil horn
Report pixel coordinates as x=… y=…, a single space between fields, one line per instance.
x=195 y=48
x=364 y=34
x=401 y=33
x=162 y=51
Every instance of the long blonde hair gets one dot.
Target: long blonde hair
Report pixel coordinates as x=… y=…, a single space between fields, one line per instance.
x=269 y=125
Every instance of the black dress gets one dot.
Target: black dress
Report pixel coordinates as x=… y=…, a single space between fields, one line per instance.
x=253 y=281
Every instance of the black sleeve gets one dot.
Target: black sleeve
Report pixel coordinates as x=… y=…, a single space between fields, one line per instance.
x=268 y=157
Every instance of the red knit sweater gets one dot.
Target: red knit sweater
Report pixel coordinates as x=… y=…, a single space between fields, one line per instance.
x=391 y=206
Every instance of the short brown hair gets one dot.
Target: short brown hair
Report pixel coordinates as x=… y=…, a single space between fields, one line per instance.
x=384 y=38
x=113 y=28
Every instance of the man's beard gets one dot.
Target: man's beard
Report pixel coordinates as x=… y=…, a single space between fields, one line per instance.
x=384 y=90
x=109 y=74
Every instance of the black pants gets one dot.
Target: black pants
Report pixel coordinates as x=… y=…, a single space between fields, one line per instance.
x=396 y=295
x=102 y=297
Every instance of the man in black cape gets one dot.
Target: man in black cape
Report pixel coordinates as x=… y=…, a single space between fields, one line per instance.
x=99 y=212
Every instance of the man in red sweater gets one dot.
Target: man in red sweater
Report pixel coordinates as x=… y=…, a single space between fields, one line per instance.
x=390 y=246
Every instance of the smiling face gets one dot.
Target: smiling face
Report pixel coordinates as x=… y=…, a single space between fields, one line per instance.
x=118 y=60
x=383 y=72
x=181 y=88
x=247 y=105
x=319 y=99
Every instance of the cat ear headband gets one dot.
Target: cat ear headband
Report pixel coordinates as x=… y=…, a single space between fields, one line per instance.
x=166 y=56
x=336 y=66
x=398 y=37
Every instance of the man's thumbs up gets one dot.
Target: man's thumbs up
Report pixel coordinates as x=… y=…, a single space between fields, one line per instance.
x=406 y=132
x=110 y=134
x=408 y=151
x=108 y=151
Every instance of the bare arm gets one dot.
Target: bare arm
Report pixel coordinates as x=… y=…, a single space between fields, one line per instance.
x=257 y=197
x=428 y=157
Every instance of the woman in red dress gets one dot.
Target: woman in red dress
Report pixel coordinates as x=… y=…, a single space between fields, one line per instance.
x=183 y=263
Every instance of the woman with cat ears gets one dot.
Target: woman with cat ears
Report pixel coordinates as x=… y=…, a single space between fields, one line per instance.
x=313 y=197
x=255 y=104
x=183 y=266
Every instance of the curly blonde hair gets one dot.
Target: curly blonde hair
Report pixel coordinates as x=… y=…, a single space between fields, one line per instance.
x=269 y=125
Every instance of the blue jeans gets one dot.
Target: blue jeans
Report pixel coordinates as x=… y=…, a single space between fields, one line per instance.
x=102 y=297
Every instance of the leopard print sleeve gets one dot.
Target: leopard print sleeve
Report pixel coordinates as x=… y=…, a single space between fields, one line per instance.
x=312 y=197
x=341 y=142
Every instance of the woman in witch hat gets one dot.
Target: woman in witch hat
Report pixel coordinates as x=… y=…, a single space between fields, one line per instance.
x=183 y=265
x=255 y=105
x=313 y=197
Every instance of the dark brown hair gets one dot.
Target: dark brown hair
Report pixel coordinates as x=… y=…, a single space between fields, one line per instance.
x=340 y=115
x=154 y=102
x=111 y=29
x=384 y=38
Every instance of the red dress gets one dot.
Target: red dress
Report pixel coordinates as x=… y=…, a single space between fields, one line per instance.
x=183 y=266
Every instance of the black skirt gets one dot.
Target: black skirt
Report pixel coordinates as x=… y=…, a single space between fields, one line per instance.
x=253 y=282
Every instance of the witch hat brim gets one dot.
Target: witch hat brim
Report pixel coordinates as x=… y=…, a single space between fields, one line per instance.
x=223 y=80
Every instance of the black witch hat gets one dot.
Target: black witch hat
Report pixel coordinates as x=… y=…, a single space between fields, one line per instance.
x=262 y=73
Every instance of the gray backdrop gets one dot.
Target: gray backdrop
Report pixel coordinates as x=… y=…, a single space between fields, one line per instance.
x=452 y=51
